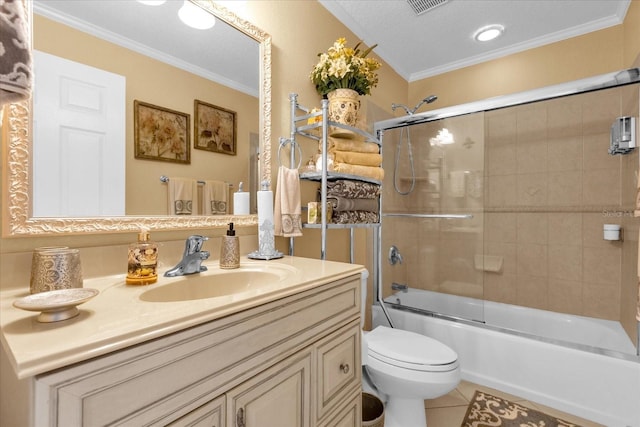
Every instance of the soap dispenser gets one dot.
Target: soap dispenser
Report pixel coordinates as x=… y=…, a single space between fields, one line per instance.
x=230 y=249
x=143 y=261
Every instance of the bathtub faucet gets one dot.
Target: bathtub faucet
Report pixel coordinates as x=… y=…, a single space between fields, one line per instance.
x=399 y=287
x=191 y=259
x=394 y=255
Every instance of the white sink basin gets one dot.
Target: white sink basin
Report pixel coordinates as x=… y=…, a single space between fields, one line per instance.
x=217 y=283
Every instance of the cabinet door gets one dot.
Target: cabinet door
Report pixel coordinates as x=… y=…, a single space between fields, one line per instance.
x=211 y=414
x=278 y=397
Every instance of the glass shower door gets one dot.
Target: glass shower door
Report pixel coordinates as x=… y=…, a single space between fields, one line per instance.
x=432 y=227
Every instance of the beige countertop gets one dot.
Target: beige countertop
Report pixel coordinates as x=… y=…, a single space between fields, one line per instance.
x=118 y=318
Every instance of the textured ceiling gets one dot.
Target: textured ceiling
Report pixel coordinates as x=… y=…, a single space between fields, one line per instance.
x=441 y=39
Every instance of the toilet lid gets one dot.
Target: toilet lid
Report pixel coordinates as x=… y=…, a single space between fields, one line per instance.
x=410 y=350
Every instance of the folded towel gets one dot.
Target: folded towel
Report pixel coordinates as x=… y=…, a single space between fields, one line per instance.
x=286 y=209
x=15 y=55
x=354 y=217
x=352 y=189
x=363 y=171
x=347 y=204
x=353 y=158
x=182 y=198
x=337 y=144
x=214 y=198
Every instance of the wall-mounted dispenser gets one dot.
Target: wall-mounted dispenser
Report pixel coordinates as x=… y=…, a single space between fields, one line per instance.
x=623 y=135
x=612 y=232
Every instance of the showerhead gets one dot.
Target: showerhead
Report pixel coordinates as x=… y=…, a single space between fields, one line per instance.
x=428 y=100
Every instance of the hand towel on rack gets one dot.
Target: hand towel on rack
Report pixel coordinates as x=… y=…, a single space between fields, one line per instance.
x=355 y=158
x=182 y=196
x=287 y=211
x=214 y=198
x=15 y=66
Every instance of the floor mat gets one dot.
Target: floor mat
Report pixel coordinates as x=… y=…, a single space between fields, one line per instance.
x=486 y=410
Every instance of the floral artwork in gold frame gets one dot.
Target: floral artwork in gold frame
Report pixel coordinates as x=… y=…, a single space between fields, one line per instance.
x=215 y=128
x=161 y=134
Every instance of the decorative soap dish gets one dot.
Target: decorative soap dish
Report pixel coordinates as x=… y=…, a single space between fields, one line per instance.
x=56 y=305
x=267 y=257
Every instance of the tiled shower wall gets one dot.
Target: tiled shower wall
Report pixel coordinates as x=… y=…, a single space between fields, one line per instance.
x=549 y=185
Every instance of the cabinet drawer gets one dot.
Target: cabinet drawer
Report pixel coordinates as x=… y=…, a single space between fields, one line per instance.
x=211 y=414
x=339 y=367
x=349 y=416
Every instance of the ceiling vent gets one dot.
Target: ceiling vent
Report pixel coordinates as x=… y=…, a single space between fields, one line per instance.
x=423 y=6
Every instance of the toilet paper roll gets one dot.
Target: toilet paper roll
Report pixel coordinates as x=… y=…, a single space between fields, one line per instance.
x=241 y=203
x=266 y=229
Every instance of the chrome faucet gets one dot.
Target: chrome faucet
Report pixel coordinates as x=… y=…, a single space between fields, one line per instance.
x=192 y=258
x=394 y=255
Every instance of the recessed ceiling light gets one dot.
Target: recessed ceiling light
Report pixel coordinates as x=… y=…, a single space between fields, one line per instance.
x=152 y=2
x=489 y=32
x=196 y=17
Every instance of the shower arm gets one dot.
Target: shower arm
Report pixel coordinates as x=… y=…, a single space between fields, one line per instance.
x=428 y=100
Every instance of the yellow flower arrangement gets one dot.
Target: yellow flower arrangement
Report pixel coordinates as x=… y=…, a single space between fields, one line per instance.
x=347 y=68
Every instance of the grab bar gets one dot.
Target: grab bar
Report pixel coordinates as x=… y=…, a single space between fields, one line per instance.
x=444 y=216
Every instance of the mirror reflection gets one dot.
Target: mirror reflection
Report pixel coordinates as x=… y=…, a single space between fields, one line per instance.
x=161 y=80
x=93 y=61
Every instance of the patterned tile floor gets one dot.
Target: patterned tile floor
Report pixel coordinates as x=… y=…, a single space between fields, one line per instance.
x=449 y=410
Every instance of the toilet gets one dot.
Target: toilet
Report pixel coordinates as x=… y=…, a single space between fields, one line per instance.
x=405 y=368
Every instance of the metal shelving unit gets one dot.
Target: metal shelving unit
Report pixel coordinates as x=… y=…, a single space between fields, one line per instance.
x=300 y=127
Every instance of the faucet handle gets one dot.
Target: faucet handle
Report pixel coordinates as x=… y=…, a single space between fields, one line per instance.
x=194 y=244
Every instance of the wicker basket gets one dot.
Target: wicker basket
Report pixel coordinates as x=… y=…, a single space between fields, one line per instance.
x=372 y=411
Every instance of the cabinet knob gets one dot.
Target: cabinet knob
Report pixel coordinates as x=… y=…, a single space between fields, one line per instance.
x=344 y=367
x=240 y=418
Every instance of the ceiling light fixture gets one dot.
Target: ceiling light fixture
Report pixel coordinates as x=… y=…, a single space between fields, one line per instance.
x=489 y=32
x=152 y=2
x=195 y=16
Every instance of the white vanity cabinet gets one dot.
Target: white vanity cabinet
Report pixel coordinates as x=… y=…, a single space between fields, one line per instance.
x=292 y=362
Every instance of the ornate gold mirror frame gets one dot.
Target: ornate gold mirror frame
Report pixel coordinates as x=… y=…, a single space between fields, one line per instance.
x=16 y=210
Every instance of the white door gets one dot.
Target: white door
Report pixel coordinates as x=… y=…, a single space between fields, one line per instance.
x=79 y=139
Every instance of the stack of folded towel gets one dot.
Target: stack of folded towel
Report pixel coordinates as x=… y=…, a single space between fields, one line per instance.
x=356 y=157
x=353 y=201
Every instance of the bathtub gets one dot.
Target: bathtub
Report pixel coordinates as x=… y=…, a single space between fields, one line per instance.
x=578 y=365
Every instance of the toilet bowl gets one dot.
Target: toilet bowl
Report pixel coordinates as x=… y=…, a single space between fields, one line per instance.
x=406 y=368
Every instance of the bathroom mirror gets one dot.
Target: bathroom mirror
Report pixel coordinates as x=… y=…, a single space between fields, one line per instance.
x=17 y=157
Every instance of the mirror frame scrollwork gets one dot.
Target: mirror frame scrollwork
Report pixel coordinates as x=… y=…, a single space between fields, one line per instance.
x=16 y=183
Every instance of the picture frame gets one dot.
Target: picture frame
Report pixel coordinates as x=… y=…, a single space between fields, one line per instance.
x=215 y=128
x=161 y=134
